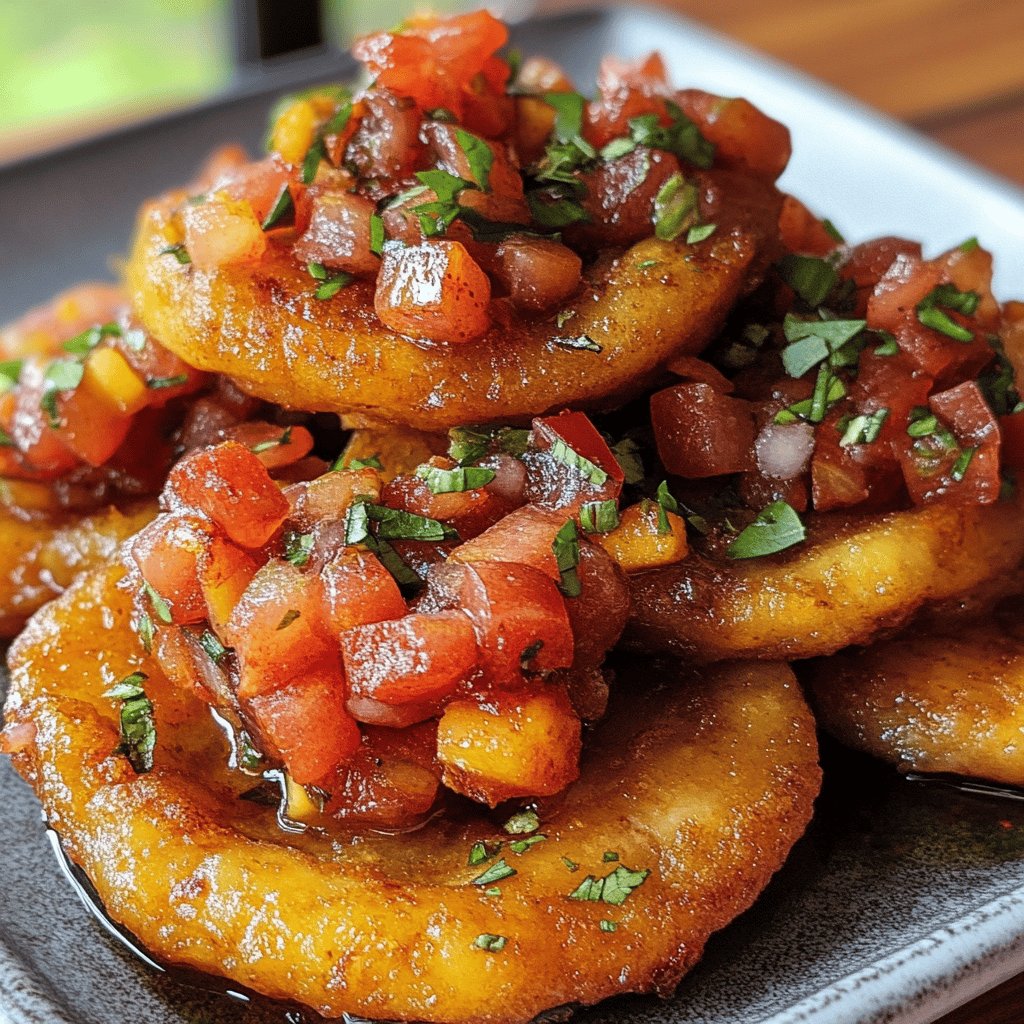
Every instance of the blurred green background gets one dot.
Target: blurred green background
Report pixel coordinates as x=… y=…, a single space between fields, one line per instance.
x=61 y=62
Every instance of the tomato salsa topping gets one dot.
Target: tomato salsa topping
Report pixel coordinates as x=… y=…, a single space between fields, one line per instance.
x=461 y=175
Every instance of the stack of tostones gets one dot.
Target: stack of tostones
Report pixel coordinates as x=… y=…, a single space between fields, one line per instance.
x=434 y=510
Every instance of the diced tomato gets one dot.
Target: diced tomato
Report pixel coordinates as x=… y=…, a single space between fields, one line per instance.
x=278 y=628
x=540 y=75
x=468 y=512
x=1012 y=429
x=486 y=107
x=93 y=428
x=417 y=658
x=307 y=724
x=744 y=137
x=329 y=497
x=538 y=273
x=524 y=536
x=275 y=446
x=801 y=231
x=700 y=432
x=259 y=184
x=503 y=198
x=598 y=616
x=358 y=590
x=963 y=468
x=392 y=781
x=866 y=263
x=433 y=60
x=757 y=490
x=893 y=383
x=1011 y=334
x=690 y=368
x=970 y=270
x=222 y=231
x=169 y=553
x=391 y=716
x=230 y=485
x=224 y=576
x=40 y=443
x=620 y=196
x=338 y=235
x=626 y=89
x=554 y=478
x=433 y=290
x=837 y=479
x=386 y=144
x=518 y=614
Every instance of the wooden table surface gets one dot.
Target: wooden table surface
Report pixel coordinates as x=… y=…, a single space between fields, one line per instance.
x=953 y=69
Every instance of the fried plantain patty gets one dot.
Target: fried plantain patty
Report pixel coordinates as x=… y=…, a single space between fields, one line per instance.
x=41 y=554
x=705 y=781
x=936 y=701
x=852 y=579
x=262 y=326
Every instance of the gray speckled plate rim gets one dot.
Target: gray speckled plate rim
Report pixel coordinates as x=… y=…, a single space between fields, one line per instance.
x=932 y=976
x=907 y=184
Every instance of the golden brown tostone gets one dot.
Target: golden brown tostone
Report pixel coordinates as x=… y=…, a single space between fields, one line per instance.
x=706 y=783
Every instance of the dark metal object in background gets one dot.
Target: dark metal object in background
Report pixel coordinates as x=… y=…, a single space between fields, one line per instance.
x=264 y=29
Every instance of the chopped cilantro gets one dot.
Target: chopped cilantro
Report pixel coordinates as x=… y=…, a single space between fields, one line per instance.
x=681 y=136
x=863 y=429
x=159 y=603
x=297 y=547
x=179 y=252
x=282 y=210
x=454 y=481
x=699 y=232
x=157 y=383
x=497 y=872
x=212 y=646
x=144 y=627
x=566 y=547
x=553 y=211
x=666 y=503
x=582 y=341
x=811 y=278
x=608 y=926
x=376 y=234
x=963 y=461
x=571 y=865
x=138 y=728
x=479 y=156
x=522 y=823
x=490 y=943
x=599 y=516
x=275 y=442
x=82 y=344
x=614 y=888
x=675 y=207
x=593 y=473
x=520 y=846
x=775 y=528
x=627 y=455
x=832 y=231
x=931 y=311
